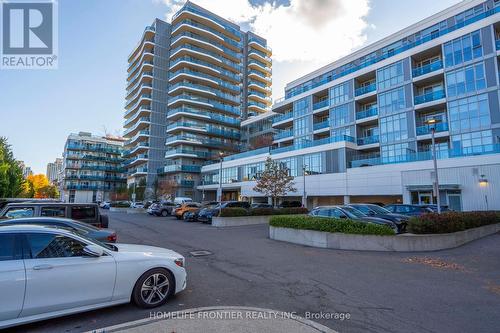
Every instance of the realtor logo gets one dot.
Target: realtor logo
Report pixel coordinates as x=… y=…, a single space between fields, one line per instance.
x=29 y=35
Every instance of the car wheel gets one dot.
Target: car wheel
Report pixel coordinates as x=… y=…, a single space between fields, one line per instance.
x=164 y=213
x=153 y=288
x=184 y=216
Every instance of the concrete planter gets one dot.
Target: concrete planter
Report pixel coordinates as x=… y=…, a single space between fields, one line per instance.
x=118 y=209
x=135 y=210
x=239 y=221
x=397 y=243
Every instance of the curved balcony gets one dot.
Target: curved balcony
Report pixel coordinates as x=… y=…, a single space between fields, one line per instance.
x=146 y=66
x=198 y=88
x=142 y=112
x=254 y=74
x=207 y=56
x=147 y=47
x=146 y=88
x=260 y=56
x=224 y=51
x=204 y=65
x=185 y=98
x=254 y=64
x=186 y=73
x=140 y=147
x=148 y=33
x=260 y=98
x=146 y=56
x=208 y=20
x=136 y=160
x=202 y=141
x=188 y=24
x=259 y=107
x=145 y=80
x=141 y=75
x=144 y=100
x=138 y=172
x=202 y=128
x=141 y=124
x=201 y=114
x=260 y=86
x=187 y=153
x=144 y=134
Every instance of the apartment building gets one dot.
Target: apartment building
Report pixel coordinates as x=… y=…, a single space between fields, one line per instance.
x=359 y=129
x=53 y=170
x=190 y=84
x=92 y=168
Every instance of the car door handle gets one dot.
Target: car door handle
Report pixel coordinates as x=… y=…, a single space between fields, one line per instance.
x=40 y=267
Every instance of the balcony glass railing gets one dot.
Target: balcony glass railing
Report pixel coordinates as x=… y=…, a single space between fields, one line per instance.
x=200 y=154
x=204 y=27
x=259 y=74
x=365 y=89
x=497 y=44
x=214 y=55
x=283 y=134
x=314 y=143
x=220 y=82
x=426 y=129
x=132 y=119
x=433 y=66
x=203 y=141
x=189 y=183
x=429 y=97
x=285 y=116
x=216 y=105
x=94 y=148
x=219 y=70
x=127 y=102
x=200 y=112
x=260 y=53
x=257 y=104
x=217 y=92
x=370 y=112
x=368 y=140
x=179 y=168
x=260 y=65
x=351 y=68
x=320 y=104
x=247 y=154
x=427 y=155
x=321 y=125
x=208 y=41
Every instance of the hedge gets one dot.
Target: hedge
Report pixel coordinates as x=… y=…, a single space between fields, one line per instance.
x=329 y=225
x=235 y=212
x=434 y=223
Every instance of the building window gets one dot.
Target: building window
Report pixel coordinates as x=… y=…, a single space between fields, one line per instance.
x=312 y=163
x=393 y=128
x=469 y=114
x=391 y=101
x=230 y=175
x=475 y=142
x=340 y=115
x=390 y=76
x=395 y=153
x=466 y=80
x=342 y=132
x=290 y=164
x=253 y=171
x=301 y=126
x=339 y=94
x=301 y=107
x=463 y=49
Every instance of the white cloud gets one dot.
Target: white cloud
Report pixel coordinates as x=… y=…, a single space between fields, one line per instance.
x=304 y=34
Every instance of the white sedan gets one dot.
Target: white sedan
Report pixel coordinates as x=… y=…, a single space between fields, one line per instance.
x=47 y=272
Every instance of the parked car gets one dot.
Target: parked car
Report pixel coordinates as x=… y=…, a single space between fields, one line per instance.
x=376 y=211
x=84 y=212
x=261 y=205
x=346 y=212
x=5 y=201
x=434 y=208
x=184 y=208
x=182 y=200
x=192 y=216
x=49 y=272
x=161 y=208
x=408 y=210
x=105 y=204
x=87 y=230
x=205 y=215
x=137 y=204
x=290 y=204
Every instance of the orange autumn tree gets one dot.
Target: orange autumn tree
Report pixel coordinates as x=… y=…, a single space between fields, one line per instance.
x=38 y=186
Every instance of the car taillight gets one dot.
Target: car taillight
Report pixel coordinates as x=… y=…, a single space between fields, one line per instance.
x=179 y=262
x=112 y=238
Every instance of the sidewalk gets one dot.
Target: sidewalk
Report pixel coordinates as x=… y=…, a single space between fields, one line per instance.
x=220 y=320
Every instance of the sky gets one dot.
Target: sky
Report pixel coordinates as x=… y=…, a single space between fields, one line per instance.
x=39 y=108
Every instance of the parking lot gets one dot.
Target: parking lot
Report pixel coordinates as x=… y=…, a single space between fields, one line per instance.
x=448 y=291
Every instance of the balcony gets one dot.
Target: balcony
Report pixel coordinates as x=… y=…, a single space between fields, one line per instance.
x=206 y=102
x=370 y=112
x=187 y=152
x=320 y=104
x=368 y=140
x=497 y=44
x=430 y=97
x=321 y=125
x=187 y=183
x=285 y=116
x=202 y=114
x=314 y=143
x=426 y=129
x=283 y=135
x=433 y=66
x=179 y=168
x=365 y=89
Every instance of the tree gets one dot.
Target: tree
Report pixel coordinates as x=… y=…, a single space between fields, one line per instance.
x=11 y=174
x=274 y=181
x=38 y=186
x=119 y=194
x=261 y=141
x=167 y=188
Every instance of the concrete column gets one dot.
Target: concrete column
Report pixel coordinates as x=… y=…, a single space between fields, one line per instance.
x=315 y=201
x=347 y=199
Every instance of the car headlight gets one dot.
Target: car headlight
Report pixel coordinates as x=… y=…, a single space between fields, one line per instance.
x=179 y=262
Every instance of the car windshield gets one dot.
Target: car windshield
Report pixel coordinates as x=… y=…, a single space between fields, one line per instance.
x=353 y=211
x=104 y=245
x=378 y=209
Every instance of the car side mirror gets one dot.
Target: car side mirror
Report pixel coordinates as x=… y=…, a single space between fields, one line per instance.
x=93 y=251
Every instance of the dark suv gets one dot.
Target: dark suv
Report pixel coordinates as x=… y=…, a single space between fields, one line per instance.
x=408 y=210
x=376 y=211
x=84 y=212
x=205 y=215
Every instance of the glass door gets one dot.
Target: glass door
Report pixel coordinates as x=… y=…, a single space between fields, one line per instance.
x=424 y=198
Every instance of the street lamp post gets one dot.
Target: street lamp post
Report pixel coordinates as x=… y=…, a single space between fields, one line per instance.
x=432 y=122
x=483 y=182
x=304 y=194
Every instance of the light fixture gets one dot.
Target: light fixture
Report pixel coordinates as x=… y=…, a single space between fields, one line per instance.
x=432 y=121
x=483 y=182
